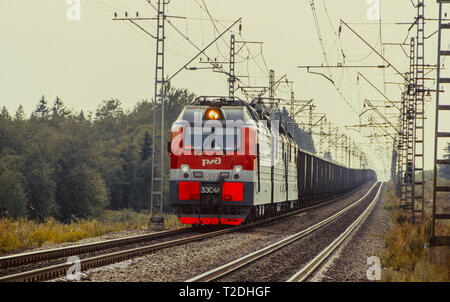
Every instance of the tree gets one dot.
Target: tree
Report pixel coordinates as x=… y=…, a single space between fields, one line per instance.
x=59 y=111
x=42 y=111
x=109 y=109
x=81 y=193
x=110 y=119
x=19 y=115
x=64 y=164
x=41 y=190
x=7 y=132
x=13 y=199
x=4 y=114
x=146 y=147
x=129 y=175
x=81 y=117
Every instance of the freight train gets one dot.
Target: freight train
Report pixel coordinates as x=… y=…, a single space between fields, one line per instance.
x=230 y=164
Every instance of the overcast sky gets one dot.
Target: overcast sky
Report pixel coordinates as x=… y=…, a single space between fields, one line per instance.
x=84 y=62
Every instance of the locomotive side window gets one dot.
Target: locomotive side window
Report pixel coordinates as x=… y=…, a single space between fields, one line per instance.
x=235 y=113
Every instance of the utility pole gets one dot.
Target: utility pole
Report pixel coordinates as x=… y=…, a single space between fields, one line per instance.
x=442 y=131
x=410 y=131
x=231 y=78
x=310 y=120
x=419 y=128
x=158 y=142
x=292 y=112
x=272 y=90
x=348 y=143
x=342 y=146
x=157 y=181
x=404 y=150
x=321 y=139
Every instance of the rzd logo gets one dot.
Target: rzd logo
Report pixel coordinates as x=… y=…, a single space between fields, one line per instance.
x=216 y=161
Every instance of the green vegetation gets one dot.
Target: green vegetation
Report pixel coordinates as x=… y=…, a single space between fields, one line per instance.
x=20 y=234
x=71 y=165
x=67 y=175
x=406 y=258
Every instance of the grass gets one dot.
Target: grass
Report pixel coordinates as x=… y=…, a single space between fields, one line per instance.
x=21 y=234
x=407 y=258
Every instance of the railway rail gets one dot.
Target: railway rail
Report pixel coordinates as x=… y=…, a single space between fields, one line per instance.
x=60 y=270
x=325 y=254
x=237 y=264
x=51 y=254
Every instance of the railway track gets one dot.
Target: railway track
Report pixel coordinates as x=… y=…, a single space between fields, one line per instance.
x=326 y=253
x=51 y=254
x=60 y=270
x=237 y=264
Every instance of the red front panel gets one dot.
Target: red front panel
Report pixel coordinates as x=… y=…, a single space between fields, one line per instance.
x=209 y=220
x=189 y=220
x=233 y=191
x=189 y=190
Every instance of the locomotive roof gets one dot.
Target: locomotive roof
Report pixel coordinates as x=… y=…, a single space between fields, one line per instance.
x=256 y=106
x=220 y=101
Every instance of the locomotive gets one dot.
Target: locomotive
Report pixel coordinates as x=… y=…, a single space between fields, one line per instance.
x=230 y=164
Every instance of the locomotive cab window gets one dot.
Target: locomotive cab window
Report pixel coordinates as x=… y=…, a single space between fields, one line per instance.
x=212 y=139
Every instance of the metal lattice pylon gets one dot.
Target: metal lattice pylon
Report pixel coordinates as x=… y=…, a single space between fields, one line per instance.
x=409 y=124
x=157 y=181
x=442 y=131
x=232 y=78
x=272 y=90
x=403 y=144
x=418 y=197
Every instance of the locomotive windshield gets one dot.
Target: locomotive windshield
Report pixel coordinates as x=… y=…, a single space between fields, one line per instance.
x=212 y=139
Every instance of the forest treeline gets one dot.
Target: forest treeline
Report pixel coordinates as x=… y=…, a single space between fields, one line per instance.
x=70 y=165
x=65 y=164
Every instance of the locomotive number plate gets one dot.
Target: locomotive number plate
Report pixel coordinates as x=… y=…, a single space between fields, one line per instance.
x=211 y=176
x=210 y=189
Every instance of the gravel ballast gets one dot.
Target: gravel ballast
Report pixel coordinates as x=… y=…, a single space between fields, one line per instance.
x=186 y=261
x=350 y=262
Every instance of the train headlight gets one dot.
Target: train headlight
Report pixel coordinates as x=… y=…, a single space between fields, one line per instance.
x=213 y=114
x=185 y=170
x=237 y=171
